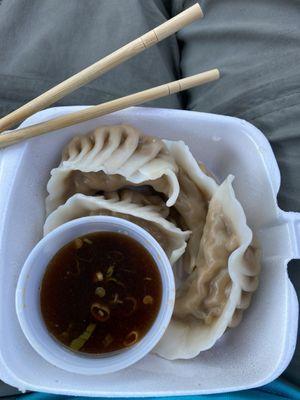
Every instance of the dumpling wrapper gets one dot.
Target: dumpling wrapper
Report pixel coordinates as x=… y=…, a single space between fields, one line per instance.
x=132 y=206
x=115 y=157
x=196 y=189
x=108 y=159
x=215 y=294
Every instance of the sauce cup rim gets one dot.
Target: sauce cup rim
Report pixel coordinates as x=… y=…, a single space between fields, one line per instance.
x=28 y=298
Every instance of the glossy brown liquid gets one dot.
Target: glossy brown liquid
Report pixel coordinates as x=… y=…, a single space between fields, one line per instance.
x=101 y=293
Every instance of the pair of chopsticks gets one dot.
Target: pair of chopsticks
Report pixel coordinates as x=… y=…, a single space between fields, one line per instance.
x=94 y=71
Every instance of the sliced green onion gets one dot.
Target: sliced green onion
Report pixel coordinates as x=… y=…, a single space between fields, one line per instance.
x=116 y=299
x=98 y=277
x=100 y=312
x=131 y=338
x=133 y=301
x=79 y=342
x=78 y=243
x=148 y=300
x=110 y=271
x=100 y=291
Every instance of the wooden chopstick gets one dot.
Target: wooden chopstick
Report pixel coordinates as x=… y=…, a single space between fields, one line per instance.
x=97 y=111
x=100 y=67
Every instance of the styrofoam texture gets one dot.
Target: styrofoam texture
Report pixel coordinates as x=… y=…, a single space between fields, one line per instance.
x=251 y=355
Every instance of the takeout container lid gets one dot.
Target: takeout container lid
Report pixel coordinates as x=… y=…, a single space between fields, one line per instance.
x=250 y=355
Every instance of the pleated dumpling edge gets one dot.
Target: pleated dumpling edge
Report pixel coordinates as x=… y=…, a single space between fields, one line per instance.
x=215 y=294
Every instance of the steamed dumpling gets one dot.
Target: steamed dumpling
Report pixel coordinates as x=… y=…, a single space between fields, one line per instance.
x=130 y=205
x=159 y=185
x=108 y=159
x=196 y=189
x=214 y=295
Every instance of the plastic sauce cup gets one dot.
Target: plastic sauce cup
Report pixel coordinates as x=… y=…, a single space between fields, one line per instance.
x=28 y=298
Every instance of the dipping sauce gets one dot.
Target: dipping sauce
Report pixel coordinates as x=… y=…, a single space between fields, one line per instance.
x=101 y=293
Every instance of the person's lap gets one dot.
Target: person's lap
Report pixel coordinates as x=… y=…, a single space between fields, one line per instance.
x=46 y=41
x=254 y=44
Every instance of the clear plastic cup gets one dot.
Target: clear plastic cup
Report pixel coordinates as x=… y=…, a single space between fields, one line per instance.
x=28 y=297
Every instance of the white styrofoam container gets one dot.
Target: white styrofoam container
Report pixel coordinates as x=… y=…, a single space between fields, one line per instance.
x=251 y=355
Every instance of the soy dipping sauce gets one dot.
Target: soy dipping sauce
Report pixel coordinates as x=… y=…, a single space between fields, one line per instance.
x=101 y=293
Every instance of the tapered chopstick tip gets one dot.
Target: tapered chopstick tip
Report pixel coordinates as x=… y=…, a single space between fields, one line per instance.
x=216 y=73
x=196 y=8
